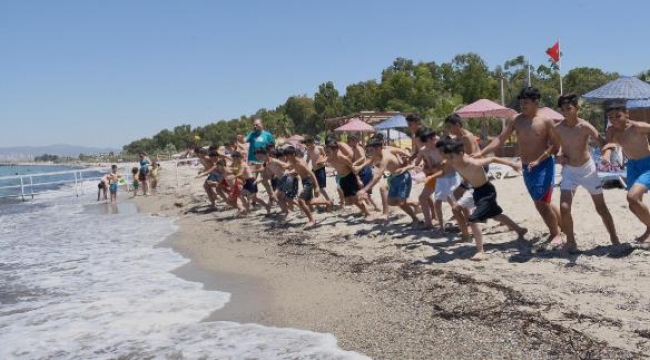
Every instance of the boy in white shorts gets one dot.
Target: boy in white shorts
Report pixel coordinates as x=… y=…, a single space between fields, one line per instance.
x=578 y=168
x=444 y=191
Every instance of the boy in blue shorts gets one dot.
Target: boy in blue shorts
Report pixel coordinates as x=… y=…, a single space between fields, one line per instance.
x=632 y=136
x=534 y=132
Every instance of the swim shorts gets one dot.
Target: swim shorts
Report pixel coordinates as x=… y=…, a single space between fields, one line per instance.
x=539 y=180
x=638 y=172
x=585 y=176
x=485 y=203
x=399 y=186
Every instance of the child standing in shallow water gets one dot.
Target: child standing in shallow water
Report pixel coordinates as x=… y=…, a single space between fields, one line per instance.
x=113 y=181
x=136 y=182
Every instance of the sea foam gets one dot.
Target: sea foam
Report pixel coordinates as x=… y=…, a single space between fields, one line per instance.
x=76 y=284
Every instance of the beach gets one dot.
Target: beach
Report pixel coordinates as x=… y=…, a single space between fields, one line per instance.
x=391 y=292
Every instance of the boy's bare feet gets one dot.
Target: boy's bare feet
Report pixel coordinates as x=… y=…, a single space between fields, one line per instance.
x=556 y=241
x=479 y=256
x=644 y=237
x=309 y=225
x=521 y=232
x=569 y=248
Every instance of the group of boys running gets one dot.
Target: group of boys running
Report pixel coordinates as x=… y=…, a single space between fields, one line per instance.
x=455 y=172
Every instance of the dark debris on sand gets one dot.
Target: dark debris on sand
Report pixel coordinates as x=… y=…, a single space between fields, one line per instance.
x=432 y=313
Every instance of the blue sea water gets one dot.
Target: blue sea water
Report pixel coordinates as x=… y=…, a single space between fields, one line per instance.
x=86 y=280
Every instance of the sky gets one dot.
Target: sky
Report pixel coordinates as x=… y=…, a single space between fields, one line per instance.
x=105 y=73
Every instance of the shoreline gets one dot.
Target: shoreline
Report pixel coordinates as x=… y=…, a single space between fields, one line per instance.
x=395 y=294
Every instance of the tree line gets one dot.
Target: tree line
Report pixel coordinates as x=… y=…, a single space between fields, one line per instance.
x=433 y=90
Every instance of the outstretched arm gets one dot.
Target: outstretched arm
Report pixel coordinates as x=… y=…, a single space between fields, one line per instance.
x=435 y=175
x=207 y=171
x=375 y=178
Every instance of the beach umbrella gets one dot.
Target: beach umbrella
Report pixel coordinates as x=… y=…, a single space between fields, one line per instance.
x=625 y=87
x=638 y=104
x=355 y=125
x=397 y=121
x=296 y=138
x=485 y=108
x=550 y=113
x=394 y=135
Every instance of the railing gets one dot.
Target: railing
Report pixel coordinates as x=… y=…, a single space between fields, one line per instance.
x=31 y=185
x=76 y=181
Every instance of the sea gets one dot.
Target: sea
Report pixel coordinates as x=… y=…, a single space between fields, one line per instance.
x=86 y=280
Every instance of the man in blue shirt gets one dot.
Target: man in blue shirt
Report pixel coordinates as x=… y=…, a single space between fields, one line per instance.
x=257 y=139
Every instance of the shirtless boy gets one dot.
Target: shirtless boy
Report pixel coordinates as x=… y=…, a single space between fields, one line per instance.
x=632 y=136
x=454 y=126
x=534 y=131
x=350 y=182
x=399 y=181
x=578 y=169
x=484 y=194
x=310 y=194
x=213 y=185
x=358 y=159
x=113 y=180
x=242 y=171
x=430 y=158
x=286 y=187
x=318 y=159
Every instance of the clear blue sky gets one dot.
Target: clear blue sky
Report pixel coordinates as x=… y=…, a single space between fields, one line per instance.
x=104 y=73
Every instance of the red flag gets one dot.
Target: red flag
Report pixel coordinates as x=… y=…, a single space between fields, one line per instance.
x=554 y=52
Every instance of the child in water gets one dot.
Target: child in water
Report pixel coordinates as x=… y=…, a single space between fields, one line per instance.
x=113 y=180
x=136 y=182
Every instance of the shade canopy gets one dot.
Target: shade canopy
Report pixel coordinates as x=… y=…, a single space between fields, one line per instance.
x=625 y=87
x=485 y=108
x=550 y=113
x=397 y=121
x=394 y=135
x=355 y=125
x=638 y=104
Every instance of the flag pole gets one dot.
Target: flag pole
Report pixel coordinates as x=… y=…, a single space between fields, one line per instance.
x=559 y=64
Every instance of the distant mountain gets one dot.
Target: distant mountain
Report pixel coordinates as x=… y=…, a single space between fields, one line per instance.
x=18 y=153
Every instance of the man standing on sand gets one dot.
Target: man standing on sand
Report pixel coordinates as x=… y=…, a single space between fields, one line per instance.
x=537 y=148
x=578 y=168
x=257 y=139
x=632 y=136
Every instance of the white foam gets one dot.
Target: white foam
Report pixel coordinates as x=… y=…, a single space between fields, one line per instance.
x=81 y=286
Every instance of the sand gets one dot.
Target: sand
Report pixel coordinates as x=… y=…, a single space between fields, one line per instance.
x=391 y=292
